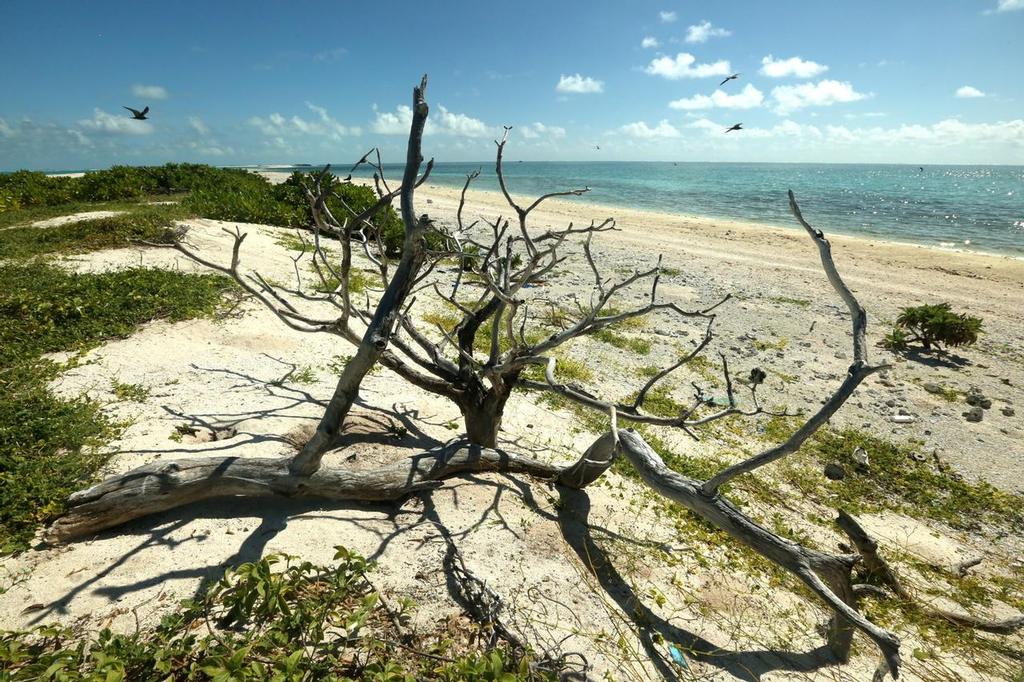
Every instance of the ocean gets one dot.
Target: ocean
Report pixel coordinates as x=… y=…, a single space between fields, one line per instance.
x=976 y=208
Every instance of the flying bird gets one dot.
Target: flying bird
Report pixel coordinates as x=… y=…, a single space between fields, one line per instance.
x=597 y=147
x=738 y=126
x=138 y=115
x=730 y=78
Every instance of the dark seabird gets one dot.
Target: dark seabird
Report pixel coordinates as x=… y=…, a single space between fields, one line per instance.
x=138 y=115
x=730 y=78
x=738 y=126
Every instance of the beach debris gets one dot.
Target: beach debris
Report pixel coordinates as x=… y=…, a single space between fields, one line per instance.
x=729 y=78
x=738 y=126
x=138 y=115
x=677 y=656
x=974 y=414
x=860 y=457
x=834 y=471
x=902 y=419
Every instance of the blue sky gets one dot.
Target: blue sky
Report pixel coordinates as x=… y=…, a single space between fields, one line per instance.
x=929 y=81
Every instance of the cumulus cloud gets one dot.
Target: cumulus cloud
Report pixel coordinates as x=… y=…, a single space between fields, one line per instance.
x=446 y=122
x=821 y=94
x=149 y=91
x=968 y=92
x=794 y=66
x=533 y=131
x=641 y=130
x=110 y=124
x=579 y=84
x=700 y=33
x=324 y=125
x=669 y=17
x=649 y=42
x=683 y=66
x=747 y=98
x=197 y=125
x=5 y=129
x=1009 y=5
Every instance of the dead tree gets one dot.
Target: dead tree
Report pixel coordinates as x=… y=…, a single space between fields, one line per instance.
x=477 y=363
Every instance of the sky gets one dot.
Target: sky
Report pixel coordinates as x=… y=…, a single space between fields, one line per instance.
x=238 y=83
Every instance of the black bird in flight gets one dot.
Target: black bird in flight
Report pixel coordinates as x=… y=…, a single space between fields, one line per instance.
x=738 y=126
x=730 y=78
x=138 y=115
x=597 y=147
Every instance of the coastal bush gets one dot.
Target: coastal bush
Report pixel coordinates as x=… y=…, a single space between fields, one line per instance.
x=933 y=326
x=277 y=618
x=145 y=223
x=23 y=188
x=48 y=444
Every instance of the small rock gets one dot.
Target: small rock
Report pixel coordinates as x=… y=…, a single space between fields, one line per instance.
x=860 y=457
x=834 y=472
x=1008 y=411
x=903 y=412
x=901 y=419
x=932 y=387
x=890 y=403
x=974 y=414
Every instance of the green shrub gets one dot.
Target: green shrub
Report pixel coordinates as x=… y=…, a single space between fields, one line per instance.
x=48 y=444
x=277 y=619
x=24 y=189
x=934 y=325
x=146 y=223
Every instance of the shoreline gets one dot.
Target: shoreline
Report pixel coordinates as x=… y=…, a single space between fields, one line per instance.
x=615 y=210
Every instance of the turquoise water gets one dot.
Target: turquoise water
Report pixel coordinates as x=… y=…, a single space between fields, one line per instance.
x=979 y=208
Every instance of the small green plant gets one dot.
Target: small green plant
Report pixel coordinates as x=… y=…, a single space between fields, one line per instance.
x=136 y=393
x=933 y=326
x=278 y=618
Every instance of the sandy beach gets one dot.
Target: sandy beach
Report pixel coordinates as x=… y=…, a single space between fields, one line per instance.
x=515 y=533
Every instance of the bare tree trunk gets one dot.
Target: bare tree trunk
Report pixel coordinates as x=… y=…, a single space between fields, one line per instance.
x=381 y=326
x=482 y=409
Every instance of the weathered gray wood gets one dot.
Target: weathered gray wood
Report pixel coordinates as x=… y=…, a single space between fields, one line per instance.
x=168 y=484
x=382 y=324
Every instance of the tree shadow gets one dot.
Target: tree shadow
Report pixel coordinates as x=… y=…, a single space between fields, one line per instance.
x=936 y=358
x=573 y=518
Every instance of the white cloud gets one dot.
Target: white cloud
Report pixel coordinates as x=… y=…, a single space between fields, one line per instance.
x=682 y=66
x=446 y=122
x=324 y=125
x=667 y=17
x=5 y=130
x=649 y=42
x=460 y=124
x=579 y=84
x=537 y=130
x=700 y=33
x=149 y=91
x=794 y=66
x=1009 y=5
x=331 y=55
x=198 y=125
x=967 y=92
x=747 y=98
x=102 y=122
x=641 y=130
x=821 y=94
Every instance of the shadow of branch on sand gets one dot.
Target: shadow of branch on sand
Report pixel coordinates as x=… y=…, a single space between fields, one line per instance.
x=573 y=519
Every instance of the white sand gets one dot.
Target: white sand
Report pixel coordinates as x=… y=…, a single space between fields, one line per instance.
x=220 y=373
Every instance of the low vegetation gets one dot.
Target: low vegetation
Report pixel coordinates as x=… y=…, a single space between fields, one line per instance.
x=48 y=443
x=279 y=619
x=933 y=326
